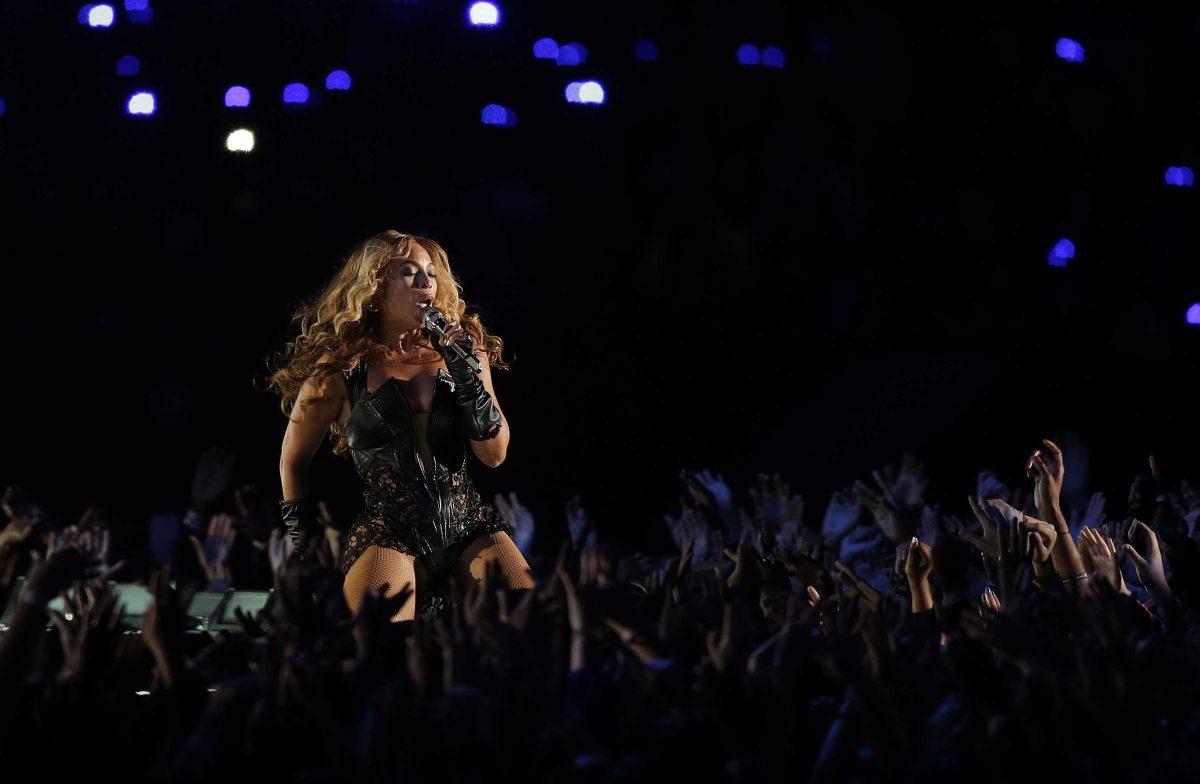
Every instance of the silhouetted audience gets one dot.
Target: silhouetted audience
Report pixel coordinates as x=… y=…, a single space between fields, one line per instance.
x=887 y=640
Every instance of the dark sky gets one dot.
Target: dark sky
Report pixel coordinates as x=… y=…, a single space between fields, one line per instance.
x=804 y=270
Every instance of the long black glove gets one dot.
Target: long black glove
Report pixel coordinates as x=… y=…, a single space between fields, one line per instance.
x=303 y=527
x=481 y=417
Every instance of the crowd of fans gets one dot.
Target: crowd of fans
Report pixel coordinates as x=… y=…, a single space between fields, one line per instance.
x=1035 y=631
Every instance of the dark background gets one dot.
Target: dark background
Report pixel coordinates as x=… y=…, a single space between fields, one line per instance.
x=805 y=270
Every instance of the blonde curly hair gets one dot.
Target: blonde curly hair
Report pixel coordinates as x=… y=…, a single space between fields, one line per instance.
x=338 y=327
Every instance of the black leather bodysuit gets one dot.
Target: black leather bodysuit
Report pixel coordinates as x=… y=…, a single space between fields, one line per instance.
x=432 y=513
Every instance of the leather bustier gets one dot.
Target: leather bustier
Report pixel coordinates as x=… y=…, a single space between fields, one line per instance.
x=407 y=505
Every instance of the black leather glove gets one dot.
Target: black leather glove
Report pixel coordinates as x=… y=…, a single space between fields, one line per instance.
x=481 y=417
x=303 y=527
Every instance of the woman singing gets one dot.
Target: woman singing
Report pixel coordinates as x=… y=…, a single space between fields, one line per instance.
x=405 y=406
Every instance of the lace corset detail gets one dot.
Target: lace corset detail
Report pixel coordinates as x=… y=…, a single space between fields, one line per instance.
x=405 y=508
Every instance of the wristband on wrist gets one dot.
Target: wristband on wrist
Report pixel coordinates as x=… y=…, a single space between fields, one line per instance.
x=1076 y=577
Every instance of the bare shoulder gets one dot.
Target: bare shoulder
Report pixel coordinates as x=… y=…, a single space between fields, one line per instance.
x=329 y=391
x=334 y=383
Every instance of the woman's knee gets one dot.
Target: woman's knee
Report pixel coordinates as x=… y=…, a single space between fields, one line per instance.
x=496 y=548
x=376 y=566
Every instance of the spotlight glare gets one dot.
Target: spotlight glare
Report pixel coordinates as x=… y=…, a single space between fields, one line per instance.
x=484 y=14
x=141 y=103
x=296 y=92
x=646 y=51
x=545 y=49
x=1063 y=250
x=495 y=114
x=571 y=54
x=1193 y=314
x=1069 y=49
x=129 y=66
x=1179 y=176
x=241 y=140
x=100 y=15
x=237 y=97
x=772 y=57
x=747 y=54
x=337 y=80
x=591 y=92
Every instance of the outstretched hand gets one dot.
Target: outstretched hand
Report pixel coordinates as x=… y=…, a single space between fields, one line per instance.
x=1149 y=564
x=1048 y=470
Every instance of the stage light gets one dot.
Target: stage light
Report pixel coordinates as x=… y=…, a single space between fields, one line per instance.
x=141 y=103
x=1069 y=49
x=1063 y=250
x=295 y=92
x=241 y=140
x=495 y=114
x=129 y=66
x=1193 y=314
x=337 y=80
x=137 y=5
x=646 y=51
x=142 y=14
x=3 y=107
x=573 y=53
x=572 y=92
x=772 y=57
x=237 y=97
x=1179 y=176
x=591 y=92
x=484 y=14
x=545 y=49
x=97 y=15
x=747 y=54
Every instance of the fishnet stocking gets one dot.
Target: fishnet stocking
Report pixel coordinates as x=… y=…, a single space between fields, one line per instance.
x=494 y=547
x=376 y=566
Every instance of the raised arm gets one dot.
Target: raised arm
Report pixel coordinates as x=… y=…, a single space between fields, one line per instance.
x=492 y=451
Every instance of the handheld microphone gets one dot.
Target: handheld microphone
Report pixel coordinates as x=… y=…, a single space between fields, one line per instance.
x=435 y=322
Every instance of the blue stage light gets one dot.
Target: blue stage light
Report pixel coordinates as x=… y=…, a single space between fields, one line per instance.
x=747 y=54
x=296 y=92
x=237 y=97
x=1179 y=176
x=3 y=107
x=1069 y=49
x=129 y=66
x=337 y=80
x=545 y=49
x=495 y=114
x=646 y=51
x=484 y=14
x=572 y=92
x=137 y=5
x=772 y=57
x=141 y=104
x=1193 y=314
x=1062 y=251
x=573 y=53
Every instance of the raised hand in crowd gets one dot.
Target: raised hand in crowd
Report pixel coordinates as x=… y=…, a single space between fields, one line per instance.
x=512 y=510
x=213 y=552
